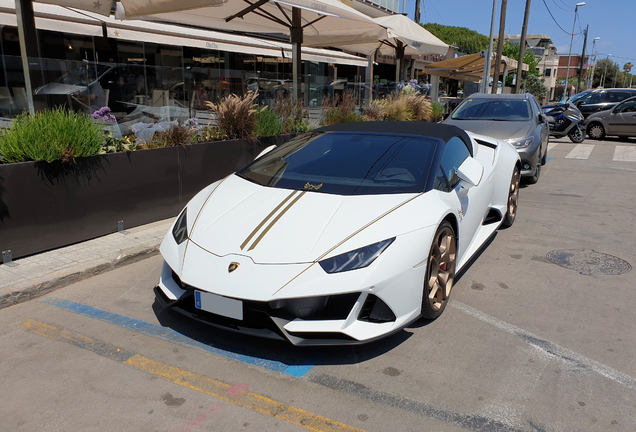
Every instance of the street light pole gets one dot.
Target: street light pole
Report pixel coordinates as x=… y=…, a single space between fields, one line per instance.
x=567 y=72
x=591 y=79
x=605 y=73
x=488 y=59
x=618 y=69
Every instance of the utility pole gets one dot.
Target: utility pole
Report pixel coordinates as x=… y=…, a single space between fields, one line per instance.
x=488 y=59
x=500 y=42
x=578 y=83
x=418 y=11
x=522 y=45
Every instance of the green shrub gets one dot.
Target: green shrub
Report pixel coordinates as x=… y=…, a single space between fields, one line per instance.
x=51 y=135
x=114 y=145
x=437 y=110
x=267 y=123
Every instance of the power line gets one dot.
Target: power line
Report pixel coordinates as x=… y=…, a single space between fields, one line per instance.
x=555 y=21
x=561 y=7
x=437 y=12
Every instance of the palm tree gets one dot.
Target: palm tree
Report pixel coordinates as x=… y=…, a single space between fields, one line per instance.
x=627 y=67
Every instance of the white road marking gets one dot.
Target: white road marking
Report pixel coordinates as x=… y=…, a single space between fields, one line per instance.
x=625 y=154
x=552 y=145
x=581 y=151
x=551 y=349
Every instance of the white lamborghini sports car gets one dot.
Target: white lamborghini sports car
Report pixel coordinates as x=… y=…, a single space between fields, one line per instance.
x=342 y=235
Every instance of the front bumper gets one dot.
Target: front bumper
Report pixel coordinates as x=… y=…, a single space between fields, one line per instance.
x=344 y=316
x=530 y=159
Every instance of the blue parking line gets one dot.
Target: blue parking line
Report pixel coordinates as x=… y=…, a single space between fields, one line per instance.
x=169 y=334
x=548 y=159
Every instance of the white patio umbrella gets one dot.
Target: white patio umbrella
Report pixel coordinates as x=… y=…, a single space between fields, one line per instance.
x=305 y=21
x=404 y=37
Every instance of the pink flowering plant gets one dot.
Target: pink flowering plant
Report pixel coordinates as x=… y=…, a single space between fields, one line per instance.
x=104 y=114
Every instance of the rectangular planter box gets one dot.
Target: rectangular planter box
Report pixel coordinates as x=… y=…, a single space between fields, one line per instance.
x=45 y=206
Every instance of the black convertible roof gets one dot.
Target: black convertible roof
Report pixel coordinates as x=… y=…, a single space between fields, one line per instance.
x=437 y=130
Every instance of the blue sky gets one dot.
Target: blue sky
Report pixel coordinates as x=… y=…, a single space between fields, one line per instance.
x=611 y=20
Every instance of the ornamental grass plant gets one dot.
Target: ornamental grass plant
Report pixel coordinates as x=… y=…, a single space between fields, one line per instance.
x=292 y=115
x=339 y=109
x=236 y=115
x=51 y=135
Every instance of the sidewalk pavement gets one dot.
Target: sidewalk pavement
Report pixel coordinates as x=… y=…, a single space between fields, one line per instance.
x=40 y=274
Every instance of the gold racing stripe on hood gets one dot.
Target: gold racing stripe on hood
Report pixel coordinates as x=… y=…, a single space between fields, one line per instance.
x=269 y=216
x=280 y=215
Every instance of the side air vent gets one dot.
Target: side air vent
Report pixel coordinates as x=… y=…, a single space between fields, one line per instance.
x=376 y=311
x=492 y=217
x=486 y=143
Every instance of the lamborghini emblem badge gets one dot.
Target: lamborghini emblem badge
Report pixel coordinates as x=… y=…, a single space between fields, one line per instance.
x=233 y=266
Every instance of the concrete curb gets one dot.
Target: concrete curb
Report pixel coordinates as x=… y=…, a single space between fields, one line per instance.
x=38 y=287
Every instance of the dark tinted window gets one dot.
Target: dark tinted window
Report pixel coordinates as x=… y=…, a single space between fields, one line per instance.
x=347 y=164
x=617 y=96
x=493 y=109
x=595 y=98
x=455 y=152
x=440 y=182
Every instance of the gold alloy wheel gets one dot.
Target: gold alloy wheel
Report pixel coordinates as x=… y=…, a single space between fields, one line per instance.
x=441 y=269
x=513 y=197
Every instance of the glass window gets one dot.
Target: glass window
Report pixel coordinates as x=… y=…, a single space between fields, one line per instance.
x=455 y=152
x=595 y=98
x=440 y=182
x=617 y=96
x=347 y=164
x=548 y=71
x=627 y=107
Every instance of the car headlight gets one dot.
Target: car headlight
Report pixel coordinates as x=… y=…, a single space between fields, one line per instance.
x=355 y=259
x=521 y=143
x=180 y=230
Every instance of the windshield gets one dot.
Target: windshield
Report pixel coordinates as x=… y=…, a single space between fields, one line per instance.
x=493 y=109
x=347 y=164
x=578 y=96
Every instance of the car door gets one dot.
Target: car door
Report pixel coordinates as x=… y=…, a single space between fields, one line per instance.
x=592 y=103
x=470 y=204
x=623 y=119
x=542 y=123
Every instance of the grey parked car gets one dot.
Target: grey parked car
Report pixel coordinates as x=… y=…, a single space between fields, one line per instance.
x=517 y=119
x=619 y=121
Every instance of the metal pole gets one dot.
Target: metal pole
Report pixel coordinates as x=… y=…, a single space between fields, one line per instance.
x=522 y=45
x=567 y=71
x=296 y=33
x=488 y=59
x=617 y=69
x=605 y=73
x=28 y=44
x=500 y=42
x=578 y=83
x=591 y=80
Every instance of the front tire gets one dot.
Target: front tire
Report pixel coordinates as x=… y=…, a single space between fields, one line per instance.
x=513 y=199
x=537 y=173
x=577 y=135
x=596 y=131
x=440 y=272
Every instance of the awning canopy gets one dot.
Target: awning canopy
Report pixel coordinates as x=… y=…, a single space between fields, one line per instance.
x=62 y=19
x=467 y=68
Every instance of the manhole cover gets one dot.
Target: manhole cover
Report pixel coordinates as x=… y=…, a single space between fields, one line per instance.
x=589 y=262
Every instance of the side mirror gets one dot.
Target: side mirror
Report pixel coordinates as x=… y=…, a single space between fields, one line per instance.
x=542 y=118
x=470 y=173
x=264 y=152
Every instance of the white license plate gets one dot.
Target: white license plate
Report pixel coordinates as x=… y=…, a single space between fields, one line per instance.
x=219 y=305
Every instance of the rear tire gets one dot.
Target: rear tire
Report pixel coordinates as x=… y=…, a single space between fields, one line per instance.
x=596 y=131
x=513 y=199
x=440 y=272
x=577 y=135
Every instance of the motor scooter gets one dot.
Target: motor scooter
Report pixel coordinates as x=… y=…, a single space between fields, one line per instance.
x=565 y=119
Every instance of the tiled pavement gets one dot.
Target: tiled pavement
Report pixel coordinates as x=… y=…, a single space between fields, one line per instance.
x=39 y=274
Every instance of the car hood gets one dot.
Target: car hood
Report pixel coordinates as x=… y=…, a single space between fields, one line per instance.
x=61 y=89
x=497 y=129
x=282 y=226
